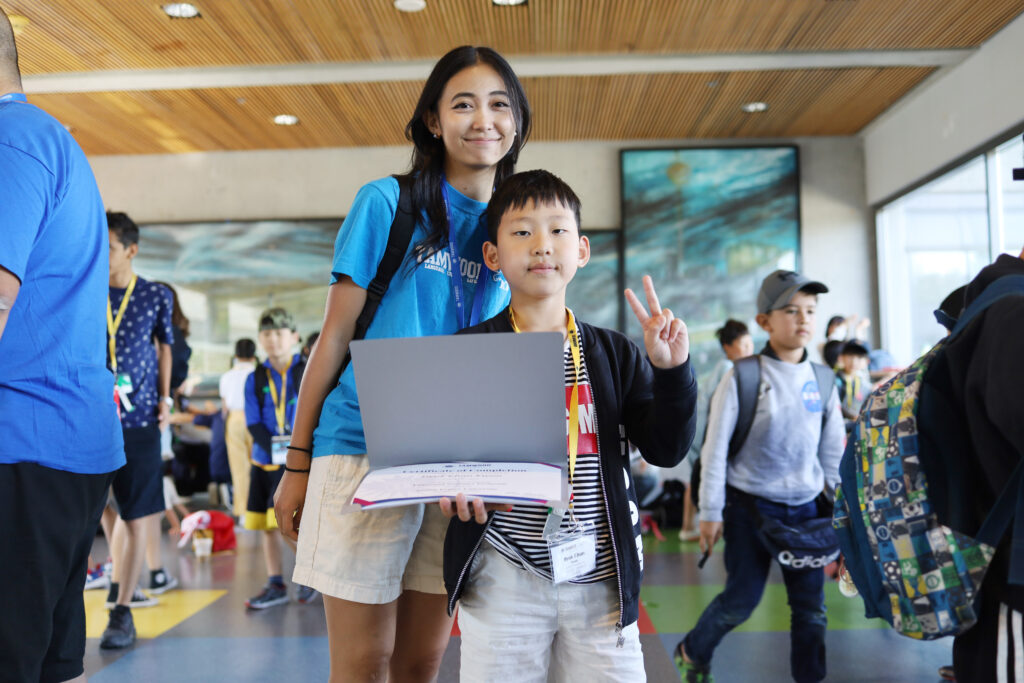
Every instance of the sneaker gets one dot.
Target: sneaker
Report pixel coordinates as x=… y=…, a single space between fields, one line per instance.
x=305 y=595
x=272 y=594
x=689 y=535
x=97 y=578
x=688 y=671
x=120 y=631
x=161 y=582
x=139 y=599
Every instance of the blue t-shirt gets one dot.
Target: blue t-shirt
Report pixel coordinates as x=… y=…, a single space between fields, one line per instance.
x=262 y=411
x=419 y=302
x=147 y=317
x=56 y=394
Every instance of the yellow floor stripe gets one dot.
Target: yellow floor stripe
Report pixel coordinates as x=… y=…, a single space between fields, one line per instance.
x=175 y=607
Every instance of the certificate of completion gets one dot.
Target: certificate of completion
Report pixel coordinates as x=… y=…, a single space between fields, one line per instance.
x=494 y=482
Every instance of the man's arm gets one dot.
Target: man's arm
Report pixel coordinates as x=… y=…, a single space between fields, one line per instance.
x=164 y=382
x=9 y=286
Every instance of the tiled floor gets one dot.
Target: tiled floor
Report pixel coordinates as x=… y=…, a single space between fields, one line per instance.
x=204 y=633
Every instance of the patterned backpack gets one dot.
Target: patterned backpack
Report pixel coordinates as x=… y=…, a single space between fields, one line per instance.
x=919 y=575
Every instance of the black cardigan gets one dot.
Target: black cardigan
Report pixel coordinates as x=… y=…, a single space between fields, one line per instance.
x=656 y=409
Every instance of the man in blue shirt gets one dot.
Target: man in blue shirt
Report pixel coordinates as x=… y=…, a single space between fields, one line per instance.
x=138 y=314
x=61 y=441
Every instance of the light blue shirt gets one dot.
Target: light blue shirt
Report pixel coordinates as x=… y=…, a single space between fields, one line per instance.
x=419 y=302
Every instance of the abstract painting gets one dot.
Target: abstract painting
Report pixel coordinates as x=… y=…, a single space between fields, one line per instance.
x=708 y=224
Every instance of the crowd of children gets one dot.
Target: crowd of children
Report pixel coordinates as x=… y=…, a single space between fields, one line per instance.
x=544 y=592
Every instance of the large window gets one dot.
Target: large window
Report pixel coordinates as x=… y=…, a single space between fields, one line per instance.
x=936 y=238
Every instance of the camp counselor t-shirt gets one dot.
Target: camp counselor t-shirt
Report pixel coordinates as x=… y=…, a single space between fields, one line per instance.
x=419 y=302
x=56 y=396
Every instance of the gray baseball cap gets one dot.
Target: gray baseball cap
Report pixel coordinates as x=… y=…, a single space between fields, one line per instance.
x=778 y=289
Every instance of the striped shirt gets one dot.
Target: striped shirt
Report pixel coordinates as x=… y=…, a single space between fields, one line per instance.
x=517 y=535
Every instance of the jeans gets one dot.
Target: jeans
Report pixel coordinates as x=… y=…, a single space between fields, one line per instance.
x=747 y=562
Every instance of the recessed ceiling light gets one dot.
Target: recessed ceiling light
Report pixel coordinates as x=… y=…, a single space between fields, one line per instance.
x=181 y=10
x=509 y=3
x=286 y=119
x=754 y=107
x=410 y=5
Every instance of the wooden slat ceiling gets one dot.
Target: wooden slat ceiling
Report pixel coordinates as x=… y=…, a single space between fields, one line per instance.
x=82 y=36
x=648 y=106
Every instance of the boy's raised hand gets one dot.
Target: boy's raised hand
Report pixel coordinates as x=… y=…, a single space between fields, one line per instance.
x=665 y=336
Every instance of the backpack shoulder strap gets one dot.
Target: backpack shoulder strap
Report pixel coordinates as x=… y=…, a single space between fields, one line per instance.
x=399 y=237
x=747 y=373
x=1008 y=285
x=826 y=379
x=296 y=372
x=259 y=384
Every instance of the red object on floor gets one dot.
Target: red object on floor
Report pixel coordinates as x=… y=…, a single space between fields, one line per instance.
x=647 y=523
x=644 y=622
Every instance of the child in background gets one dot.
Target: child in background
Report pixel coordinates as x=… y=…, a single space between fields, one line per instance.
x=736 y=343
x=791 y=454
x=853 y=380
x=271 y=392
x=517 y=623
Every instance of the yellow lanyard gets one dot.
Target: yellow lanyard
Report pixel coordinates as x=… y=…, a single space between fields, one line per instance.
x=279 y=406
x=574 y=398
x=114 y=323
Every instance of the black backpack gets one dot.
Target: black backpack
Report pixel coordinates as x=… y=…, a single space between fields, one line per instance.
x=399 y=237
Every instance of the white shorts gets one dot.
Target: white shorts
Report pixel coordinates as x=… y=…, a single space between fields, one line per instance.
x=519 y=627
x=367 y=557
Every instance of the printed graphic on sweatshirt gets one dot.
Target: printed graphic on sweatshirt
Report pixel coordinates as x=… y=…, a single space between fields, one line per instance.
x=811 y=397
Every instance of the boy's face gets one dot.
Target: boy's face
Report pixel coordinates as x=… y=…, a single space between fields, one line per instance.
x=279 y=342
x=120 y=256
x=539 y=250
x=790 y=327
x=741 y=347
x=852 y=364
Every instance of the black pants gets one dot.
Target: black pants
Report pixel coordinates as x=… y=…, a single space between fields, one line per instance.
x=985 y=654
x=49 y=519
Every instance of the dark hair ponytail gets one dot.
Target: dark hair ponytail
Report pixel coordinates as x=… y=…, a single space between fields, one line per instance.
x=428 y=155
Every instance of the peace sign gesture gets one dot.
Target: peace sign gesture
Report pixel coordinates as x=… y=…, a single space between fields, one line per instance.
x=665 y=336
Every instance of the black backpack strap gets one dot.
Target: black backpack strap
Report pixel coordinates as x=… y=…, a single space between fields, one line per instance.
x=296 y=372
x=826 y=379
x=259 y=384
x=747 y=373
x=399 y=237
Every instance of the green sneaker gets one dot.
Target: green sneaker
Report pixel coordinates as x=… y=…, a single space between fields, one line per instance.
x=688 y=671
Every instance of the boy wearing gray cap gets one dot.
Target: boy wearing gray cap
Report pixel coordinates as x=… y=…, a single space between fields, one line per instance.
x=789 y=456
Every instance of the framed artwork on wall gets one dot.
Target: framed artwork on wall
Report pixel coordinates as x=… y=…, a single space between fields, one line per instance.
x=708 y=224
x=595 y=294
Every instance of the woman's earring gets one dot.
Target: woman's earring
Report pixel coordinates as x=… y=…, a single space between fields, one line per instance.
x=435 y=135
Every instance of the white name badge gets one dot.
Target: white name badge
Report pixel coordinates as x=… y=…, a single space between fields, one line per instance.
x=279 y=449
x=573 y=553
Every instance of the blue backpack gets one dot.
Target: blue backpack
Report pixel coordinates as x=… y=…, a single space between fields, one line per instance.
x=916 y=573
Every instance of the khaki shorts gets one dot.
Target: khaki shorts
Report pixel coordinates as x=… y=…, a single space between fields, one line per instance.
x=368 y=557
